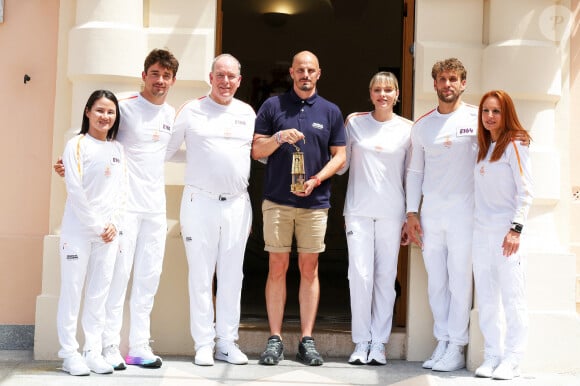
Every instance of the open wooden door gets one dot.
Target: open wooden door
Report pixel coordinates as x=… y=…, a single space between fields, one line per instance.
x=353 y=40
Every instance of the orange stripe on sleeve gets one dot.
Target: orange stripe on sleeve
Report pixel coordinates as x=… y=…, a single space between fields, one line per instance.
x=518 y=157
x=355 y=115
x=79 y=163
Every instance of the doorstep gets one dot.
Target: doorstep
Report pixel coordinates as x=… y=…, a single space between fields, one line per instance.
x=333 y=338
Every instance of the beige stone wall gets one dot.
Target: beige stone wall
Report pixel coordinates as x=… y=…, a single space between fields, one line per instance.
x=503 y=44
x=29 y=45
x=103 y=46
x=522 y=47
x=575 y=143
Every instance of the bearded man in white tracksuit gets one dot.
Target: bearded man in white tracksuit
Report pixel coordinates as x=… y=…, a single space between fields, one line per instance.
x=444 y=147
x=215 y=209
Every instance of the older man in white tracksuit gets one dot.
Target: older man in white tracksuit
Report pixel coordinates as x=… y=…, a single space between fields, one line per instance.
x=215 y=209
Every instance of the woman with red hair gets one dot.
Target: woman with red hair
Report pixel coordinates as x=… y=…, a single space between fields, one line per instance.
x=503 y=198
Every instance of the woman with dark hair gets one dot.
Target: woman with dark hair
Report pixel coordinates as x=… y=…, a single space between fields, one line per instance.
x=108 y=98
x=95 y=184
x=503 y=196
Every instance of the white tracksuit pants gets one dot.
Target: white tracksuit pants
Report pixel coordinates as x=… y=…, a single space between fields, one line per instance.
x=214 y=233
x=447 y=242
x=141 y=249
x=83 y=262
x=373 y=251
x=500 y=289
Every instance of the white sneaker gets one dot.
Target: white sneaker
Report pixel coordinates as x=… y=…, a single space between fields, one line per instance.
x=487 y=367
x=97 y=363
x=113 y=357
x=204 y=356
x=360 y=354
x=452 y=360
x=76 y=365
x=437 y=354
x=377 y=354
x=143 y=356
x=231 y=353
x=508 y=369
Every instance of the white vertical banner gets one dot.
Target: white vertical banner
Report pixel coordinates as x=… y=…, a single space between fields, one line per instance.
x=1 y=11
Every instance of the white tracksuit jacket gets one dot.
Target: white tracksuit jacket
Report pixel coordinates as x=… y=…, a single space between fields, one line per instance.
x=441 y=170
x=374 y=212
x=215 y=210
x=96 y=194
x=503 y=194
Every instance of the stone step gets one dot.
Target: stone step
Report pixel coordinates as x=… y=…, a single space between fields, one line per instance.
x=332 y=339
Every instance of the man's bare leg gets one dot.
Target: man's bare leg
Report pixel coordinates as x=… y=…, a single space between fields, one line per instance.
x=309 y=293
x=276 y=291
x=275 y=303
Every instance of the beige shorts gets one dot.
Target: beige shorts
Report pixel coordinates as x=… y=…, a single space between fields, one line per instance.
x=281 y=222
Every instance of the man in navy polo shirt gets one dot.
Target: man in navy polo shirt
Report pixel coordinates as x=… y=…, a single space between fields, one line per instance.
x=304 y=118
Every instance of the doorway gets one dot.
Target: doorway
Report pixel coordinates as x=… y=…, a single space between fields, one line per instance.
x=353 y=40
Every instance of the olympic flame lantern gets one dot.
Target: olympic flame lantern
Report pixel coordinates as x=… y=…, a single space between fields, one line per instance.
x=298 y=173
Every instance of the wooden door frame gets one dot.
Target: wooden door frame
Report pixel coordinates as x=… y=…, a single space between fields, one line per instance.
x=407 y=57
x=218 y=28
x=400 y=316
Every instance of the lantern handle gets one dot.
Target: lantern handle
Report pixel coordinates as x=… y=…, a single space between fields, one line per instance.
x=296 y=147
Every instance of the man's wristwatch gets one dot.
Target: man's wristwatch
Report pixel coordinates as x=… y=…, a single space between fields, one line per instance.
x=517 y=227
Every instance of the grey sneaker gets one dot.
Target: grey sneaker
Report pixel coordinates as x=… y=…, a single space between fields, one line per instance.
x=307 y=352
x=274 y=352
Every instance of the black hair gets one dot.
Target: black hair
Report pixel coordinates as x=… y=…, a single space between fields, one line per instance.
x=95 y=96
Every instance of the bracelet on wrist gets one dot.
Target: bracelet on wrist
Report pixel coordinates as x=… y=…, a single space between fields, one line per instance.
x=278 y=137
x=412 y=214
x=315 y=177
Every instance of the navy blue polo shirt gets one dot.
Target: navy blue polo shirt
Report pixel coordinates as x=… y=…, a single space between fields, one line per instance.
x=323 y=126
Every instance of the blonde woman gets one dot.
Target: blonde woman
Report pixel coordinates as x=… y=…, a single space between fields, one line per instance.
x=378 y=145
